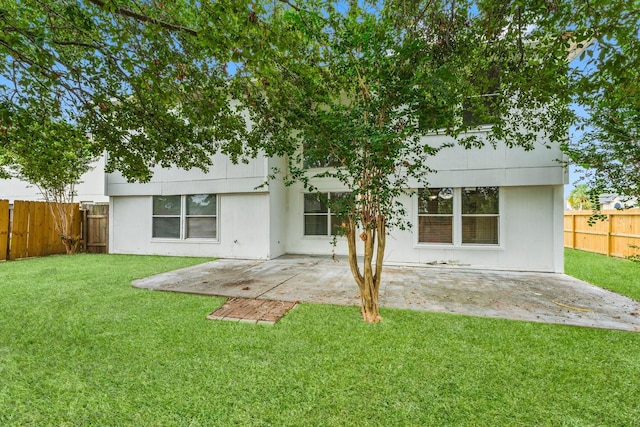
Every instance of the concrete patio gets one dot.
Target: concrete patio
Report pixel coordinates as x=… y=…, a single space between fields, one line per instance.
x=537 y=297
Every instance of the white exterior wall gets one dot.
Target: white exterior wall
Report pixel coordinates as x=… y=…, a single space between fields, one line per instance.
x=278 y=207
x=528 y=226
x=242 y=226
x=268 y=222
x=90 y=189
x=530 y=223
x=531 y=211
x=222 y=177
x=243 y=211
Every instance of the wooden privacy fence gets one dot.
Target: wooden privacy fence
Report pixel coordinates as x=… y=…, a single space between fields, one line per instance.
x=612 y=237
x=27 y=229
x=32 y=232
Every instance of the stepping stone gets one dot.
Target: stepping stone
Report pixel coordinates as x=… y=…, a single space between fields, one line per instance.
x=252 y=310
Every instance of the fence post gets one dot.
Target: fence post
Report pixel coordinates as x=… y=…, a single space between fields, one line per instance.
x=4 y=229
x=573 y=230
x=609 y=230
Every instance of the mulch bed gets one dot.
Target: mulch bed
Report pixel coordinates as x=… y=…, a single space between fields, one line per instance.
x=252 y=310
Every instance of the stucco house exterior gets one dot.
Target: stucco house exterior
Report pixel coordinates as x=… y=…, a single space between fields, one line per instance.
x=91 y=189
x=496 y=208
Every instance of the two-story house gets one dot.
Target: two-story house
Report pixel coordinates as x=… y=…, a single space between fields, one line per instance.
x=492 y=208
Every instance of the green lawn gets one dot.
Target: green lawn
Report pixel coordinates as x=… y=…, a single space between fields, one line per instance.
x=79 y=346
x=615 y=274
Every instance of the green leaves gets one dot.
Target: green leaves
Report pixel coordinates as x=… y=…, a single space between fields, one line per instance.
x=122 y=71
x=155 y=83
x=37 y=145
x=358 y=85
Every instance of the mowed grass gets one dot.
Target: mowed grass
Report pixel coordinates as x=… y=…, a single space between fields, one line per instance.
x=79 y=346
x=618 y=275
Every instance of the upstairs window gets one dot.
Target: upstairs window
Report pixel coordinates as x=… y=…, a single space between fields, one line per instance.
x=483 y=109
x=318 y=158
x=480 y=111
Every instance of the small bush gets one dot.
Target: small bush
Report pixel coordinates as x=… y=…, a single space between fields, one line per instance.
x=635 y=257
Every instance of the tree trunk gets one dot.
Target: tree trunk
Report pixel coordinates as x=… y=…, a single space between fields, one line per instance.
x=62 y=214
x=70 y=244
x=369 y=282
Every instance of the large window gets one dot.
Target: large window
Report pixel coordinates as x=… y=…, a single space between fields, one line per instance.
x=318 y=218
x=435 y=215
x=317 y=156
x=483 y=109
x=185 y=217
x=480 y=215
x=459 y=216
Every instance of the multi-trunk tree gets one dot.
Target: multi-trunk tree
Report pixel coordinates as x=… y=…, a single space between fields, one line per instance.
x=358 y=85
x=40 y=147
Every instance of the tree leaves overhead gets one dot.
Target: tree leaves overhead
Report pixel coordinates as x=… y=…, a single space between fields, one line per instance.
x=148 y=79
x=609 y=148
x=37 y=145
x=374 y=78
x=152 y=80
x=606 y=83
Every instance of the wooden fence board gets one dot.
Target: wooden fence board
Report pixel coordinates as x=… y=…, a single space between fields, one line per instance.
x=4 y=229
x=19 y=230
x=55 y=245
x=613 y=236
x=77 y=221
x=37 y=218
x=50 y=236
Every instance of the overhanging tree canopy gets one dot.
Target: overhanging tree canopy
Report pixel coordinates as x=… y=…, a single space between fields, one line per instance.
x=605 y=81
x=147 y=79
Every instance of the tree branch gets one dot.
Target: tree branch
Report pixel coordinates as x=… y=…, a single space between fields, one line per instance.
x=75 y=43
x=144 y=18
x=293 y=6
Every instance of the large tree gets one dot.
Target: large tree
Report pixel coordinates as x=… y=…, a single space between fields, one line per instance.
x=605 y=81
x=38 y=146
x=147 y=79
x=359 y=84
x=352 y=86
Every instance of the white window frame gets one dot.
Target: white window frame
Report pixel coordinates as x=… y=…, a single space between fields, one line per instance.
x=183 y=220
x=457 y=222
x=328 y=214
x=452 y=215
x=463 y=215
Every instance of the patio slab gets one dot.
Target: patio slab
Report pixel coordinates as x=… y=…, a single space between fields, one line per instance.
x=537 y=297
